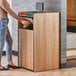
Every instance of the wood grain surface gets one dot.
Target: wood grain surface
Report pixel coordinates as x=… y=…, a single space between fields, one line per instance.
x=39 y=49
x=71 y=12
x=26 y=48
x=71 y=7
x=46 y=41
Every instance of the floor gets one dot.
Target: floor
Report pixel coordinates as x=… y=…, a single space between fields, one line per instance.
x=23 y=72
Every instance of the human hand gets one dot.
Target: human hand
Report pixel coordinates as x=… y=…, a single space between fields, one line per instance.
x=24 y=22
x=29 y=19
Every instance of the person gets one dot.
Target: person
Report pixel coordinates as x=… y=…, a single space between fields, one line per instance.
x=4 y=32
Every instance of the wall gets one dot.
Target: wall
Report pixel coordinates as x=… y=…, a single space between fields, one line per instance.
x=71 y=40
x=50 y=5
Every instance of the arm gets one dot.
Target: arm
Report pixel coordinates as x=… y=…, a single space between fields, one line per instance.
x=4 y=4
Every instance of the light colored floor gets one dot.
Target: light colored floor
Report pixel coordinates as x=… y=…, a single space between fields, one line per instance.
x=23 y=72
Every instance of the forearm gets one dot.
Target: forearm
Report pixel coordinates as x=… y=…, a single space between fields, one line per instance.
x=5 y=5
x=13 y=14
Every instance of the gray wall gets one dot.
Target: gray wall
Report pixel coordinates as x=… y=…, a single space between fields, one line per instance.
x=71 y=40
x=50 y=5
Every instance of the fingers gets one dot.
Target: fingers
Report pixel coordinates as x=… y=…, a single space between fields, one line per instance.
x=26 y=21
x=29 y=19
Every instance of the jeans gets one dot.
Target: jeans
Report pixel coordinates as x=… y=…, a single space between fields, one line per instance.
x=5 y=37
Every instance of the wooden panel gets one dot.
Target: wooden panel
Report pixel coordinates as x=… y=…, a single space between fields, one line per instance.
x=71 y=7
x=46 y=41
x=71 y=12
x=26 y=48
x=71 y=23
x=71 y=20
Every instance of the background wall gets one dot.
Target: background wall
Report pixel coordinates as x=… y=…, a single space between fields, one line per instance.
x=71 y=40
x=50 y=5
